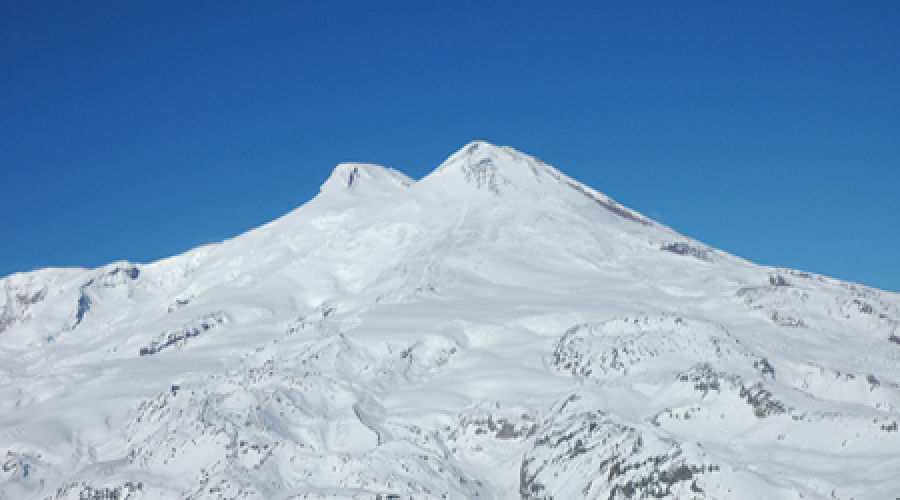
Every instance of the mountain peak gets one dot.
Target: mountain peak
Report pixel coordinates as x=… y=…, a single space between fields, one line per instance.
x=482 y=147
x=364 y=176
x=490 y=168
x=500 y=170
x=478 y=150
x=479 y=169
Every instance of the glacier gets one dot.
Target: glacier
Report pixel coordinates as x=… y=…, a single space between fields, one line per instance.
x=496 y=329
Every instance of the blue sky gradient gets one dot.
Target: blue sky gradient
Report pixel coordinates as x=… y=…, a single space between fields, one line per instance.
x=138 y=130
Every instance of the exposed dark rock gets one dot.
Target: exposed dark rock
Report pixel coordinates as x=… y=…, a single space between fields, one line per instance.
x=612 y=458
x=180 y=335
x=22 y=301
x=706 y=380
x=782 y=319
x=114 y=277
x=682 y=248
x=27 y=299
x=86 y=491
x=864 y=307
x=6 y=322
x=484 y=174
x=178 y=304
x=110 y=279
x=610 y=205
x=496 y=428
x=764 y=367
x=778 y=280
x=584 y=351
x=354 y=174
x=761 y=400
x=84 y=305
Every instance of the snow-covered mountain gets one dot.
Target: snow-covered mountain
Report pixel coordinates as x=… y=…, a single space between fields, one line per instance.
x=495 y=329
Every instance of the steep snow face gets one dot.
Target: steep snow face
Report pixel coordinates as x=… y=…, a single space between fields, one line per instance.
x=495 y=329
x=485 y=167
x=507 y=173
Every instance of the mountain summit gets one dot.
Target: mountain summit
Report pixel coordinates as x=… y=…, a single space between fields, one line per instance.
x=496 y=329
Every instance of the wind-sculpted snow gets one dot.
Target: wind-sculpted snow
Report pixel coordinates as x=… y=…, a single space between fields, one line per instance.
x=493 y=330
x=284 y=417
x=784 y=299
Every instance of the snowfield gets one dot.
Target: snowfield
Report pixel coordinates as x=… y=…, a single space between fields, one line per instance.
x=493 y=330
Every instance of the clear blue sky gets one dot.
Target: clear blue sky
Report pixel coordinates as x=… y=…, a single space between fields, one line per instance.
x=137 y=130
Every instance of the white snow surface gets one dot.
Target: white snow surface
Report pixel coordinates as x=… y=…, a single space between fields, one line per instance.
x=493 y=330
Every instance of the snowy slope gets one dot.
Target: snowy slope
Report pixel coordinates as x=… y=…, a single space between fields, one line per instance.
x=495 y=329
